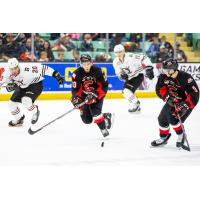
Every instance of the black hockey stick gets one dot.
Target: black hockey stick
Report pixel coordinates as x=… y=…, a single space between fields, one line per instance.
x=32 y=132
x=187 y=146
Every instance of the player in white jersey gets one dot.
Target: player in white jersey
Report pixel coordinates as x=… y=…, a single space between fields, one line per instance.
x=26 y=82
x=131 y=67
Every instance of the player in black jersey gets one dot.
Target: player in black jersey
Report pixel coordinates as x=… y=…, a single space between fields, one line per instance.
x=89 y=84
x=181 y=94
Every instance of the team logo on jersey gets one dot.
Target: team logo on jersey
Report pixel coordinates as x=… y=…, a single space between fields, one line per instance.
x=190 y=80
x=73 y=75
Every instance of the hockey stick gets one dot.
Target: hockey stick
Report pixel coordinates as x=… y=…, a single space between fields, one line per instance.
x=31 y=132
x=187 y=146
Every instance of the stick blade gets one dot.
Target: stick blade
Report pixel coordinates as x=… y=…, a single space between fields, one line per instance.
x=31 y=132
x=187 y=148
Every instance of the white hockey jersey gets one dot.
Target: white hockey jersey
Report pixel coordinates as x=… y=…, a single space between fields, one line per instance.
x=133 y=65
x=30 y=73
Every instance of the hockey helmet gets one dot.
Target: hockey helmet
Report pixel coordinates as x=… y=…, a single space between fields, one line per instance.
x=170 y=64
x=12 y=63
x=85 y=58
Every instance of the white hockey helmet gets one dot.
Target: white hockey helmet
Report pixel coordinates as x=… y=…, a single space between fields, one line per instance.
x=12 y=63
x=119 y=48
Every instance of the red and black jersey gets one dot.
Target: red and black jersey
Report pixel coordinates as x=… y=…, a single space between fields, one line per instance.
x=83 y=83
x=183 y=87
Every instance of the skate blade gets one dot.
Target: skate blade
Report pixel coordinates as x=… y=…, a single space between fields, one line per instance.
x=159 y=146
x=18 y=125
x=112 y=120
x=136 y=112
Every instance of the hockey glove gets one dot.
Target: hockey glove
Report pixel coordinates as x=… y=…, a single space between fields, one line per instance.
x=182 y=108
x=58 y=77
x=76 y=101
x=11 y=87
x=91 y=97
x=149 y=72
x=123 y=76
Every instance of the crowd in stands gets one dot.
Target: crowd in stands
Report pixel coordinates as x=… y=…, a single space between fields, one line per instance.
x=53 y=47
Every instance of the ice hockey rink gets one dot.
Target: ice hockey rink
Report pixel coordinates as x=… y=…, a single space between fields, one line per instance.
x=70 y=142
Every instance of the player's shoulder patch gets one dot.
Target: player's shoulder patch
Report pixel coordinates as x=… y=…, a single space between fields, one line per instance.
x=73 y=75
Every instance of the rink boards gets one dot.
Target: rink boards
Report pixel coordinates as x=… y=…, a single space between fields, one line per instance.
x=52 y=91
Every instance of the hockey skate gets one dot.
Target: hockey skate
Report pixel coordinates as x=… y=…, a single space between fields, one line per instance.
x=17 y=123
x=109 y=119
x=182 y=142
x=160 y=141
x=104 y=132
x=134 y=107
x=35 y=116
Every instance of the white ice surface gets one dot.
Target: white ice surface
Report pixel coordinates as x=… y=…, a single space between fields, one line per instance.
x=70 y=142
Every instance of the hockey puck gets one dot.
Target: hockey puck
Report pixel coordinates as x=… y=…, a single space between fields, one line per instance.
x=102 y=144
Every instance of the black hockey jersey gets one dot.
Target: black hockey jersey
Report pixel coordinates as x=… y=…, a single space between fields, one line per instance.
x=83 y=83
x=183 y=86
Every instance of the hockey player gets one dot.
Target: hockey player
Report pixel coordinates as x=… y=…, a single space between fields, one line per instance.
x=89 y=85
x=130 y=67
x=26 y=82
x=180 y=93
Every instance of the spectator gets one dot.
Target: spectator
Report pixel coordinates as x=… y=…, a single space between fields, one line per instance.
x=47 y=47
x=75 y=36
x=150 y=36
x=167 y=45
x=180 y=54
x=115 y=39
x=153 y=49
x=28 y=45
x=10 y=47
x=162 y=55
x=76 y=56
x=100 y=58
x=43 y=56
x=87 y=45
x=26 y=57
x=64 y=43
x=54 y=36
x=132 y=47
x=61 y=57
x=136 y=37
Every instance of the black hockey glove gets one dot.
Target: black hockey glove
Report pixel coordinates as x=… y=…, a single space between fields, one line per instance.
x=171 y=100
x=76 y=101
x=149 y=72
x=182 y=108
x=91 y=97
x=123 y=76
x=11 y=87
x=58 y=77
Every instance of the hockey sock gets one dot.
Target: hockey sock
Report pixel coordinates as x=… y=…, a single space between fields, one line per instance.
x=14 y=109
x=178 y=128
x=100 y=121
x=28 y=104
x=164 y=131
x=128 y=94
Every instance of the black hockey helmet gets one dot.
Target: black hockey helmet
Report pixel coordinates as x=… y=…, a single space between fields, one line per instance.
x=85 y=58
x=170 y=64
